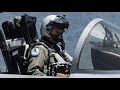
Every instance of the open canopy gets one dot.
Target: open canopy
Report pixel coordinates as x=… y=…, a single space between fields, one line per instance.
x=98 y=47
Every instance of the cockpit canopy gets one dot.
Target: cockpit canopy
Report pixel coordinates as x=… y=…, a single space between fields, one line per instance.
x=99 y=46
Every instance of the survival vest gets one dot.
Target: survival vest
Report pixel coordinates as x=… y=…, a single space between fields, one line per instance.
x=57 y=61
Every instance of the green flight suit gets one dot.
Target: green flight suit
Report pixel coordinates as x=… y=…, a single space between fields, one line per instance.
x=37 y=62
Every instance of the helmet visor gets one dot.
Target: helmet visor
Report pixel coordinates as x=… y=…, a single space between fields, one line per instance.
x=60 y=22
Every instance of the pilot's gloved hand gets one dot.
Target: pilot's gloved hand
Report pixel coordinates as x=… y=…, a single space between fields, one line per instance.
x=62 y=75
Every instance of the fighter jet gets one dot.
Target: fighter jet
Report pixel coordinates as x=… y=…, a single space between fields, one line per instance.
x=97 y=53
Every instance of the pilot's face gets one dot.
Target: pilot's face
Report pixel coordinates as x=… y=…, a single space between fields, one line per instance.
x=57 y=31
x=56 y=35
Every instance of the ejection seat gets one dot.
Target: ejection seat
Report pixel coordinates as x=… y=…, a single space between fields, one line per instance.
x=18 y=39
